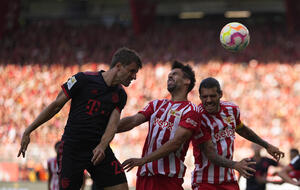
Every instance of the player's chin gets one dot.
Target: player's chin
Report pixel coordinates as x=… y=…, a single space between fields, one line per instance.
x=210 y=109
x=126 y=83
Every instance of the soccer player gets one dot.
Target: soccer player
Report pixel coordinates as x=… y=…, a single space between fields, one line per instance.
x=222 y=119
x=259 y=180
x=292 y=171
x=52 y=165
x=171 y=126
x=97 y=100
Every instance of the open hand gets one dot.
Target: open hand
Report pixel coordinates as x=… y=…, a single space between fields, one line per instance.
x=132 y=162
x=243 y=167
x=98 y=155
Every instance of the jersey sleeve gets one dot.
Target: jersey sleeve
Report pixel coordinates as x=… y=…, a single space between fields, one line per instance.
x=123 y=99
x=73 y=85
x=147 y=111
x=295 y=163
x=189 y=119
x=202 y=134
x=239 y=123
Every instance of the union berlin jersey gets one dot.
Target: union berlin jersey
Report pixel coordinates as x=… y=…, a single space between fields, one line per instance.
x=221 y=127
x=164 y=117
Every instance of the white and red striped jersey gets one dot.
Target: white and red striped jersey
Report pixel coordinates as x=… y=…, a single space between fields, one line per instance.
x=53 y=168
x=221 y=127
x=164 y=117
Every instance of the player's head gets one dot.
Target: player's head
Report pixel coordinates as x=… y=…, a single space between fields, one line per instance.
x=127 y=62
x=293 y=153
x=181 y=75
x=210 y=94
x=56 y=146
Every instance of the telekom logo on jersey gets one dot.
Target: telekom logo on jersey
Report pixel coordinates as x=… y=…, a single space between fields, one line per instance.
x=163 y=124
x=224 y=133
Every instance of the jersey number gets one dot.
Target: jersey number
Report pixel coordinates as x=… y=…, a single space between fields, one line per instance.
x=118 y=167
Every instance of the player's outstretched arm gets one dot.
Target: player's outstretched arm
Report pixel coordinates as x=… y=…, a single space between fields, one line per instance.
x=284 y=175
x=44 y=116
x=242 y=166
x=128 y=123
x=250 y=135
x=182 y=135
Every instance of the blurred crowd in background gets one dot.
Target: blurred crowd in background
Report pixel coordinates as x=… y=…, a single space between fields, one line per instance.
x=59 y=42
x=263 y=80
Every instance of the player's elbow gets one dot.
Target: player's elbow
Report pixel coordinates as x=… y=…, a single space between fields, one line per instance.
x=175 y=146
x=211 y=155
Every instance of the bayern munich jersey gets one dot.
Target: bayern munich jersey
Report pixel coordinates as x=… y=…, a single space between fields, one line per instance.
x=53 y=168
x=91 y=106
x=221 y=127
x=165 y=116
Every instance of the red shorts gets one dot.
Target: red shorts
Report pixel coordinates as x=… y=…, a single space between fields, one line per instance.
x=222 y=186
x=158 y=182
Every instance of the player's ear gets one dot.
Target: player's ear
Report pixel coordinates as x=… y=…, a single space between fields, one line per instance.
x=221 y=93
x=187 y=81
x=118 y=65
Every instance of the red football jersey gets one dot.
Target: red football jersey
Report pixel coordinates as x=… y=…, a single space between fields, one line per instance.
x=165 y=116
x=221 y=127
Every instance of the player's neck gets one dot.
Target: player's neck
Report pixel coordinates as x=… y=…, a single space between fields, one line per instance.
x=109 y=77
x=178 y=97
x=257 y=157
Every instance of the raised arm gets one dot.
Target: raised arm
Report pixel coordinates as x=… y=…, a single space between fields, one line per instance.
x=44 y=116
x=128 y=123
x=242 y=166
x=250 y=135
x=181 y=136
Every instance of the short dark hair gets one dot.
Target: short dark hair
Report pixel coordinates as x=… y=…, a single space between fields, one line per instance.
x=210 y=82
x=187 y=73
x=294 y=150
x=125 y=56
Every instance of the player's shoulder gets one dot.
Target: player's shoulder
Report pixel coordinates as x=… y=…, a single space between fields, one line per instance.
x=159 y=101
x=228 y=104
x=156 y=103
x=91 y=73
x=200 y=108
x=192 y=106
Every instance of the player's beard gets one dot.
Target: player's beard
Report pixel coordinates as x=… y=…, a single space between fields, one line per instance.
x=212 y=107
x=171 y=88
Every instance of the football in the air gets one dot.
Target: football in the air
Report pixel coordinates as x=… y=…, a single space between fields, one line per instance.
x=234 y=37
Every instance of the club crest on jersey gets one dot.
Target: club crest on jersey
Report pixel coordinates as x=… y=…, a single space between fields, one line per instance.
x=71 y=82
x=175 y=113
x=228 y=120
